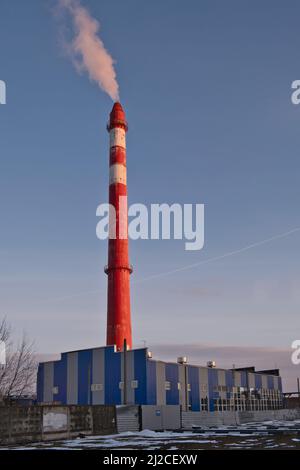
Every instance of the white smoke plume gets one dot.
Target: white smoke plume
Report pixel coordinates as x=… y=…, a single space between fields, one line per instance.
x=87 y=51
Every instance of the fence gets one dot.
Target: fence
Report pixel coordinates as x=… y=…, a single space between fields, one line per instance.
x=21 y=424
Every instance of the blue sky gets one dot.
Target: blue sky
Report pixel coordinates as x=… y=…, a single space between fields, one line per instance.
x=206 y=87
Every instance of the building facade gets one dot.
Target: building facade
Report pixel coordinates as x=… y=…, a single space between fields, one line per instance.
x=106 y=376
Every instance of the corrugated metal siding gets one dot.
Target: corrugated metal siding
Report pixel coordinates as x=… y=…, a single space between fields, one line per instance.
x=203 y=382
x=258 y=383
x=172 y=395
x=160 y=383
x=270 y=382
x=112 y=377
x=48 y=382
x=212 y=387
x=72 y=378
x=60 y=379
x=151 y=382
x=182 y=392
x=264 y=381
x=251 y=380
x=237 y=378
x=244 y=379
x=193 y=380
x=229 y=382
x=222 y=382
x=140 y=373
x=98 y=376
x=40 y=383
x=130 y=398
x=128 y=418
x=85 y=379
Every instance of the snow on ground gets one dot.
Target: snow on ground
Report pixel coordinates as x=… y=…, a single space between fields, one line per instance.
x=267 y=435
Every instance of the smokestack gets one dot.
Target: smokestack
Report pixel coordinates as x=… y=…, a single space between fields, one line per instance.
x=118 y=269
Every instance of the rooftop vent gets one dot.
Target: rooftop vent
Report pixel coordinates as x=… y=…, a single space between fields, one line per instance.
x=211 y=364
x=182 y=360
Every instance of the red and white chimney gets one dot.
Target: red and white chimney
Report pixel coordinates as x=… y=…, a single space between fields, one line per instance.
x=118 y=268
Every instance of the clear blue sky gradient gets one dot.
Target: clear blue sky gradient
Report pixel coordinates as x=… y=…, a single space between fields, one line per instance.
x=206 y=87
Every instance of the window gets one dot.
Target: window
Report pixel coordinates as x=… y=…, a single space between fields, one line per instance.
x=121 y=385
x=55 y=390
x=167 y=385
x=96 y=387
x=204 y=404
x=134 y=384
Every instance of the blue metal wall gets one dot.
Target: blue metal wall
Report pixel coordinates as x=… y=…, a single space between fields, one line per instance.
x=258 y=381
x=244 y=381
x=172 y=395
x=270 y=382
x=112 y=377
x=40 y=383
x=212 y=387
x=151 y=383
x=140 y=374
x=60 y=378
x=229 y=382
x=85 y=368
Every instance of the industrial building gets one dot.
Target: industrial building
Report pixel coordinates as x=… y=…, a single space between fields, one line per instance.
x=107 y=376
x=117 y=374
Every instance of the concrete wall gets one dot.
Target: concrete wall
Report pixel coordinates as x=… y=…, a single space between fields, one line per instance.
x=292 y=402
x=211 y=419
x=284 y=414
x=21 y=424
x=207 y=418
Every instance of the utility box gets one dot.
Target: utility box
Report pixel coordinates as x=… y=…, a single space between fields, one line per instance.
x=160 y=418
